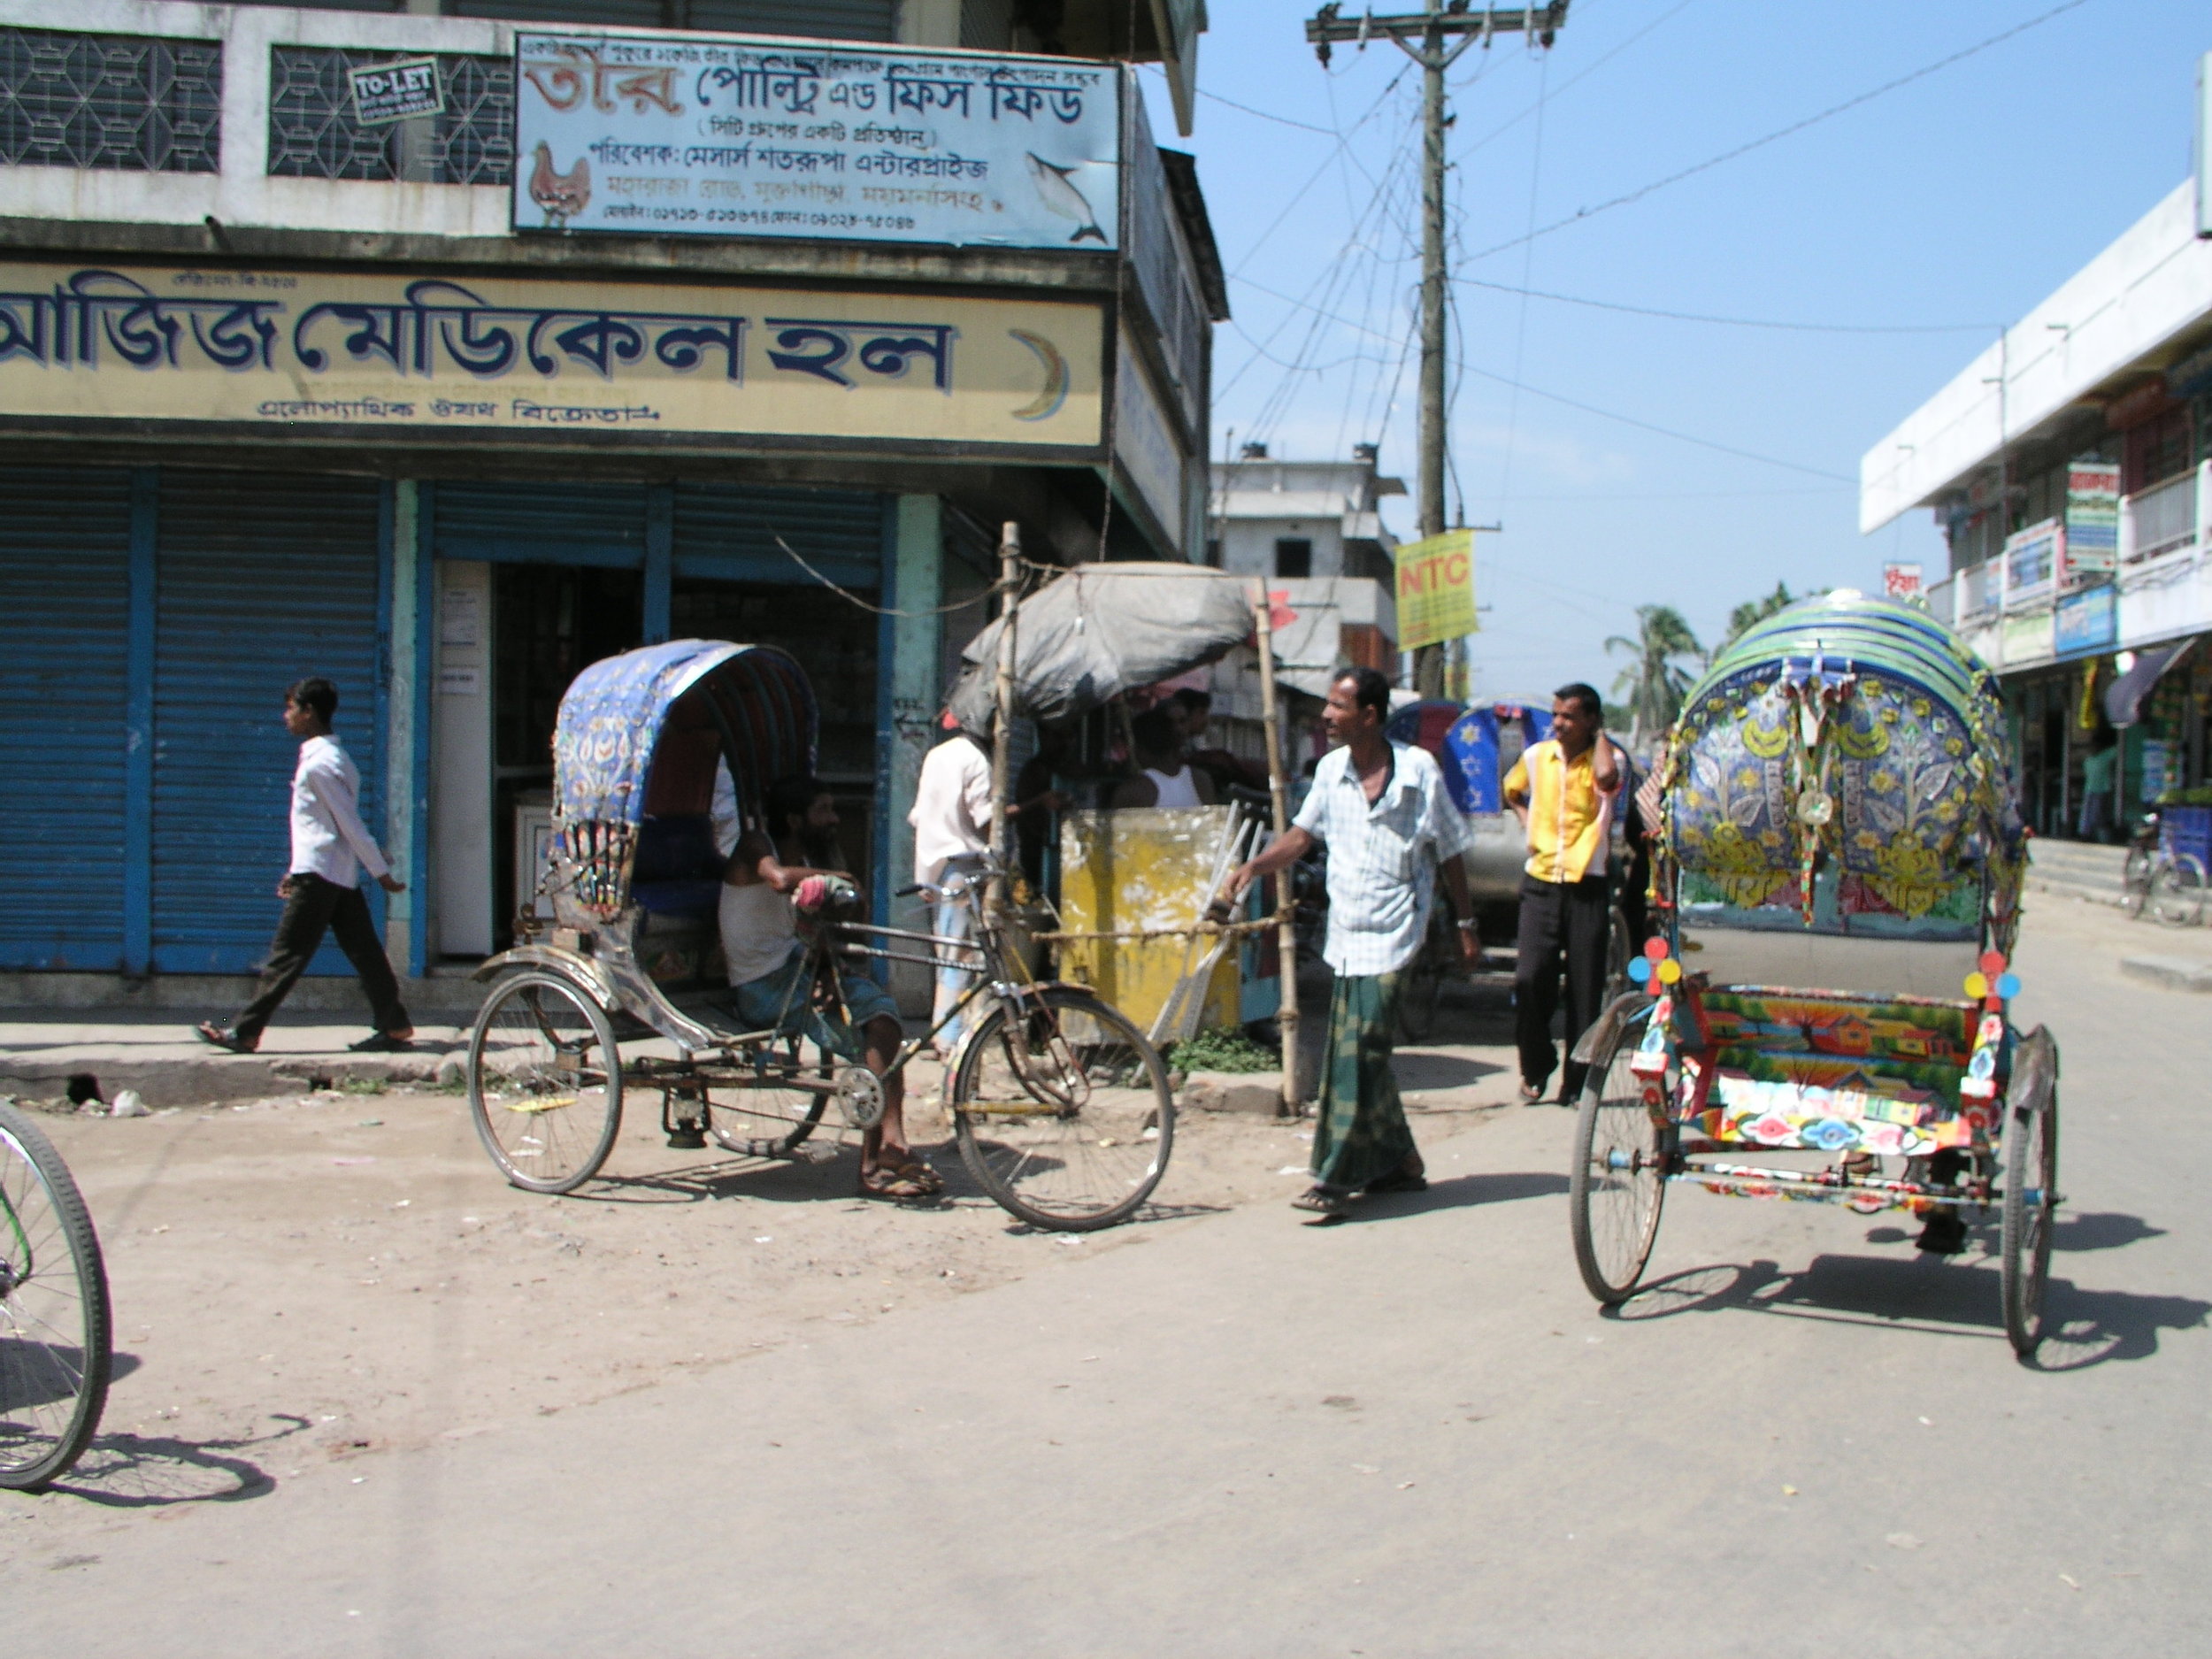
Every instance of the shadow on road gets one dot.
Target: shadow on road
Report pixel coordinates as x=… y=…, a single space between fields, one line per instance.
x=1944 y=1297
x=139 y=1472
x=1461 y=1191
x=1416 y=1070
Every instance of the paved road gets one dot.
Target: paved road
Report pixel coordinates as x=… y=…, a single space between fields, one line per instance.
x=1409 y=1434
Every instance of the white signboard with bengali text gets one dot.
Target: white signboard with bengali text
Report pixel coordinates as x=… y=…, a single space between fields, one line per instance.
x=724 y=136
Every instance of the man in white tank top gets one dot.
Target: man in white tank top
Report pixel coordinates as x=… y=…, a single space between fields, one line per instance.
x=760 y=945
x=1167 y=779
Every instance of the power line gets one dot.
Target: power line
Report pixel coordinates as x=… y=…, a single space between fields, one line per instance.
x=1639 y=194
x=1734 y=322
x=1583 y=74
x=1588 y=409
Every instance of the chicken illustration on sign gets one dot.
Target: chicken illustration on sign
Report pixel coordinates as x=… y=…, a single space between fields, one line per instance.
x=562 y=195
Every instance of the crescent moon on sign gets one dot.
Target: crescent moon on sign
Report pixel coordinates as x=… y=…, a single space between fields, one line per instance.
x=1048 y=401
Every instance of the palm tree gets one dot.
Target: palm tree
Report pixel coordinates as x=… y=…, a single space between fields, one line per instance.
x=1756 y=611
x=1655 y=683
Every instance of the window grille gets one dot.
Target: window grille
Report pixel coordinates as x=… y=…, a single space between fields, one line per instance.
x=313 y=134
x=129 y=102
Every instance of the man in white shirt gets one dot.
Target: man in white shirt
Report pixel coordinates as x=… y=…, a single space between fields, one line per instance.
x=951 y=817
x=322 y=893
x=1381 y=810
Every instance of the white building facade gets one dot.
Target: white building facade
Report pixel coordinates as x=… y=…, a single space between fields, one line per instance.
x=2069 y=465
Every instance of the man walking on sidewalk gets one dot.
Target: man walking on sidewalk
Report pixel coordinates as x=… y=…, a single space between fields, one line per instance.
x=1381 y=810
x=1565 y=791
x=330 y=847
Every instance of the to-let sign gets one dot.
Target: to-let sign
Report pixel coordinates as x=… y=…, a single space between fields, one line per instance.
x=1436 y=590
x=386 y=93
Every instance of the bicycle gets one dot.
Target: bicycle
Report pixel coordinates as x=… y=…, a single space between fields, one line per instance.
x=2171 y=885
x=56 y=1356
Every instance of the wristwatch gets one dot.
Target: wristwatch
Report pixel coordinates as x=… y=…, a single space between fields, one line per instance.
x=1467 y=926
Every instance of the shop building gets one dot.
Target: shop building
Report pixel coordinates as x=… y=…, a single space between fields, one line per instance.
x=2070 y=466
x=443 y=355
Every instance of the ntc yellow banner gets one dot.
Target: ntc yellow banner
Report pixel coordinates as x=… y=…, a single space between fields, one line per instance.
x=1436 y=590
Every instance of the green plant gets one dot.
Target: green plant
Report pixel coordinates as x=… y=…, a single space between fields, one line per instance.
x=1221 y=1048
x=361 y=1086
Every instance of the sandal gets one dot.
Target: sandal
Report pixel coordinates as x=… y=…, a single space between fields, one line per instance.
x=885 y=1182
x=918 y=1172
x=207 y=1031
x=1323 y=1201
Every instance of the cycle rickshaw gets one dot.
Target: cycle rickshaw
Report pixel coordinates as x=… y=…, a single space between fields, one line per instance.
x=1061 y=1108
x=1837 y=894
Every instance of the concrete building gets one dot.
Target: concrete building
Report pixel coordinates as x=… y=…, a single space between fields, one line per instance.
x=2069 y=465
x=444 y=354
x=1314 y=530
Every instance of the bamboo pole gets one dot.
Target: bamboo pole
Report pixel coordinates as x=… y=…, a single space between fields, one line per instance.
x=1009 y=558
x=1279 y=800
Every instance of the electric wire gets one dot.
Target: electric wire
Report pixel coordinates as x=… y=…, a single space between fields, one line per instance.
x=1730 y=322
x=1922 y=74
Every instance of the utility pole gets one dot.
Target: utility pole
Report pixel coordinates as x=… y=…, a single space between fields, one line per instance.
x=1443 y=32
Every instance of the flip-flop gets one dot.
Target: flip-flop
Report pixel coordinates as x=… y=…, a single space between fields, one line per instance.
x=207 y=1031
x=1323 y=1201
x=924 y=1177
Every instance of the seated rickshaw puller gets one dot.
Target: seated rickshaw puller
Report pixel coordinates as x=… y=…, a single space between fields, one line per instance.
x=760 y=945
x=1391 y=829
x=1565 y=791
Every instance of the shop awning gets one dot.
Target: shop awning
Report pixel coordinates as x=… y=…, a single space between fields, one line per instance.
x=2123 y=697
x=1101 y=630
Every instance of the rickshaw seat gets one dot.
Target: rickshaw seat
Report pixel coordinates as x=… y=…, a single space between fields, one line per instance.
x=678 y=870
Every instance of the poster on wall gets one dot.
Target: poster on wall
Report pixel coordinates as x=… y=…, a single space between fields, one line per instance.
x=2092 y=517
x=721 y=137
x=1436 y=590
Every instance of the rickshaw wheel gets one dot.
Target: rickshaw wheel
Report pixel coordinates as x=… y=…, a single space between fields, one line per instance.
x=545 y=1113
x=2031 y=1156
x=1063 y=1113
x=1618 y=1183
x=769 y=1122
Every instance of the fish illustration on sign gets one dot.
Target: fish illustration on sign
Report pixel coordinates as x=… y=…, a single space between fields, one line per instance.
x=562 y=195
x=1063 y=198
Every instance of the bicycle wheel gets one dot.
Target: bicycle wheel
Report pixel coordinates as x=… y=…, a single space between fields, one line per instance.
x=55 y=1357
x=1618 y=1183
x=2031 y=1154
x=1063 y=1110
x=544 y=1081
x=768 y=1119
x=1619 y=947
x=1422 y=984
x=2135 y=880
x=2178 y=891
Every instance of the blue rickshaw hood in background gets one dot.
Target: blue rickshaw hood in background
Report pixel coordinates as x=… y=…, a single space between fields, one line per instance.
x=641 y=734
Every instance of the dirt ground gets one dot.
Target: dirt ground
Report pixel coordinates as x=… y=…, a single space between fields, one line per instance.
x=314 y=1277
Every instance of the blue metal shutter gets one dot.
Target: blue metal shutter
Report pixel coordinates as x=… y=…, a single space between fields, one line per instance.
x=727 y=533
x=263 y=579
x=546 y=523
x=65 y=630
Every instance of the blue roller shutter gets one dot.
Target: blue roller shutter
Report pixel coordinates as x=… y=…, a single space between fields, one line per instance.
x=64 y=624
x=542 y=524
x=263 y=579
x=728 y=533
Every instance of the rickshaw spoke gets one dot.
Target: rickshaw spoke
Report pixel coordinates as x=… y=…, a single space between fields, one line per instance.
x=547 y=1119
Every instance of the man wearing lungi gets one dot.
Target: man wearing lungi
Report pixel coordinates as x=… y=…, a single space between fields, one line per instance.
x=1381 y=810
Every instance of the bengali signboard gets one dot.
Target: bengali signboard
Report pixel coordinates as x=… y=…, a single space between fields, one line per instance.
x=670 y=134
x=2086 y=621
x=490 y=354
x=2092 y=517
x=1901 y=580
x=1436 y=590
x=2033 y=558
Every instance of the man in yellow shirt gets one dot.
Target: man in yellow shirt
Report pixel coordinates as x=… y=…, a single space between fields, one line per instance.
x=1565 y=791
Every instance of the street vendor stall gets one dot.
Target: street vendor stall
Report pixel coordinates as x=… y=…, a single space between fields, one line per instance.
x=1097 y=633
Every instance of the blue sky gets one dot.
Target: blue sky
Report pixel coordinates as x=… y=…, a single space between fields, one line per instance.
x=1961 y=198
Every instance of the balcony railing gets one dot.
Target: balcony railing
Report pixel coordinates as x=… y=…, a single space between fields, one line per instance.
x=2159 y=519
x=1980 y=588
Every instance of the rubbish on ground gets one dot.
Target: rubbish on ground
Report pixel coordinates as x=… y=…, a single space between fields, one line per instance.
x=128 y=1103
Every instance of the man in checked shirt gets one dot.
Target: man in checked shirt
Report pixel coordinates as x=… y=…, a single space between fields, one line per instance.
x=1381 y=810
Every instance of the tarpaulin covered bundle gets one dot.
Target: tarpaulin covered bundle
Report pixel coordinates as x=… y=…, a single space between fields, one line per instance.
x=609 y=734
x=1101 y=630
x=1844 y=765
